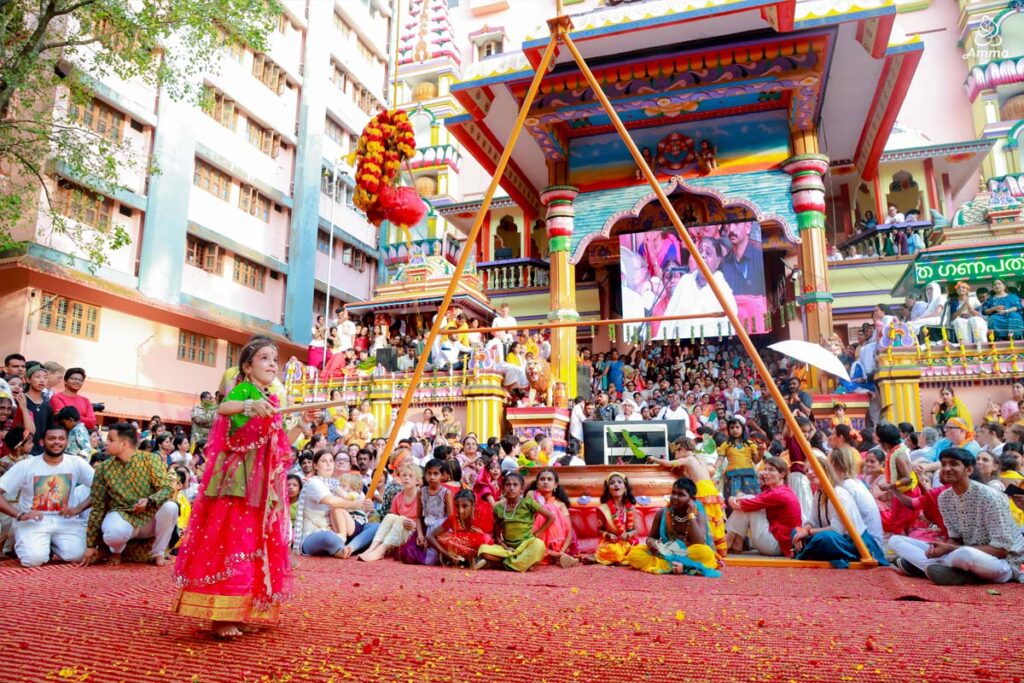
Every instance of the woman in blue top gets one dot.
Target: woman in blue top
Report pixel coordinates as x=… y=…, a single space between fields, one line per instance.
x=1004 y=312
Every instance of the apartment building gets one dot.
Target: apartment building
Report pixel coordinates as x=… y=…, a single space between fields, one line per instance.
x=247 y=227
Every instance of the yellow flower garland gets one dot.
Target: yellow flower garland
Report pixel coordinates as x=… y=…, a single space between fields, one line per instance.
x=386 y=142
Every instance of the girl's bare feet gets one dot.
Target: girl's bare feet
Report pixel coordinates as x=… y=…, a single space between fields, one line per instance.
x=565 y=561
x=677 y=568
x=161 y=561
x=346 y=552
x=226 y=629
x=114 y=559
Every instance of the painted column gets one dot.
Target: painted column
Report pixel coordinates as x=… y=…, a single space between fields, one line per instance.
x=559 y=222
x=380 y=404
x=809 y=203
x=162 y=255
x=485 y=401
x=900 y=392
x=298 y=304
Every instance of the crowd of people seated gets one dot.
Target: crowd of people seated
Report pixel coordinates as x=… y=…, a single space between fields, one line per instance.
x=897 y=235
x=935 y=499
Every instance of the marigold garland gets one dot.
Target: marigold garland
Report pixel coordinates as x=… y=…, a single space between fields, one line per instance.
x=387 y=141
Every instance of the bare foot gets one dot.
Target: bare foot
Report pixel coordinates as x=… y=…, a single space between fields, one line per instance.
x=677 y=568
x=480 y=564
x=226 y=629
x=160 y=561
x=565 y=561
x=114 y=559
x=346 y=552
x=248 y=628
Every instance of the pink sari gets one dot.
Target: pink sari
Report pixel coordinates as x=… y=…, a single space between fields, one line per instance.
x=233 y=563
x=561 y=528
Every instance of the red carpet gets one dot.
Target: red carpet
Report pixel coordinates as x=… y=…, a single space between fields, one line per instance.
x=387 y=622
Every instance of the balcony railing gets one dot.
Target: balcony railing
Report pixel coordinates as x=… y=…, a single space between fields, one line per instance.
x=876 y=237
x=522 y=273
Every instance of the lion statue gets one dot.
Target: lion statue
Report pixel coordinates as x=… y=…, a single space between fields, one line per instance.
x=538 y=376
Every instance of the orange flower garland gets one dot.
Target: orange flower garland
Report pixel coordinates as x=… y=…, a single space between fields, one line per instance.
x=386 y=142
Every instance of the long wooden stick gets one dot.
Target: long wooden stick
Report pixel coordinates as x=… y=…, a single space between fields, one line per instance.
x=823 y=480
x=546 y=325
x=460 y=267
x=303 y=407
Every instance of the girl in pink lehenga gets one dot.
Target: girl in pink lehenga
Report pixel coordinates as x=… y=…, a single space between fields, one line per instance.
x=559 y=539
x=233 y=565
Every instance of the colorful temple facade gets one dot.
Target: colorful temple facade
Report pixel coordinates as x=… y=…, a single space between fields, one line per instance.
x=801 y=117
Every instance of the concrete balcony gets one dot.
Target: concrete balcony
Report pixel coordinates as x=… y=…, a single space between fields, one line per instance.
x=225 y=218
x=277 y=111
x=345 y=110
x=276 y=172
x=369 y=74
x=528 y=273
x=373 y=30
x=348 y=221
x=436 y=155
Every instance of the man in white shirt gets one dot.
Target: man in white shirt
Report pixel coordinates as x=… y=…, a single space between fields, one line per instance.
x=628 y=414
x=675 y=411
x=576 y=418
x=407 y=361
x=894 y=215
x=346 y=332
x=505 y=321
x=45 y=517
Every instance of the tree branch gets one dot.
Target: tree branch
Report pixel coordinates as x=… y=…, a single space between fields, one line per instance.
x=69 y=43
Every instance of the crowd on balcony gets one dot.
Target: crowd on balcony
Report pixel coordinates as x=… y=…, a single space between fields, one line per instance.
x=898 y=235
x=939 y=500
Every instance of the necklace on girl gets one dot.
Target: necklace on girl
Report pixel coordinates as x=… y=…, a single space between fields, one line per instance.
x=504 y=510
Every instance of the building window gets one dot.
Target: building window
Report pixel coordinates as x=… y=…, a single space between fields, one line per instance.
x=251 y=201
x=283 y=23
x=323 y=242
x=340 y=79
x=335 y=131
x=220 y=108
x=328 y=186
x=84 y=206
x=342 y=26
x=204 y=255
x=250 y=274
x=489 y=48
x=359 y=261
x=99 y=117
x=269 y=73
x=233 y=49
x=264 y=139
x=233 y=353
x=197 y=348
x=72 y=318
x=212 y=180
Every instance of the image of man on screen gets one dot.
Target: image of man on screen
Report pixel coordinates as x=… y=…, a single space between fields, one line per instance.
x=693 y=295
x=743 y=268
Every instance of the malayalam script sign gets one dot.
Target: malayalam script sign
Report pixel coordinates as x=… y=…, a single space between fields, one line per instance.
x=972 y=268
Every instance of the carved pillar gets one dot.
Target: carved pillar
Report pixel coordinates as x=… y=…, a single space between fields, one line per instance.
x=559 y=221
x=485 y=402
x=381 y=391
x=901 y=392
x=808 y=193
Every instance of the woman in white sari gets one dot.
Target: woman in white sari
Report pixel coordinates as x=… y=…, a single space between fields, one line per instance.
x=935 y=307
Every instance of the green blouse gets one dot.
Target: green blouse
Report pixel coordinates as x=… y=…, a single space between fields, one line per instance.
x=517 y=522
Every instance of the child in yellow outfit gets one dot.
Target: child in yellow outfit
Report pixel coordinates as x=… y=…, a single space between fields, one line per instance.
x=707 y=493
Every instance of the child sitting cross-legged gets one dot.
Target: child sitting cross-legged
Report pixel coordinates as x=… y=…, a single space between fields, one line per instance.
x=678 y=543
x=694 y=468
x=616 y=520
x=400 y=523
x=559 y=537
x=458 y=540
x=515 y=547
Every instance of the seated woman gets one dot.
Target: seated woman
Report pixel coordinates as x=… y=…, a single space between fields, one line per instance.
x=680 y=536
x=965 y=315
x=949 y=406
x=322 y=503
x=768 y=519
x=824 y=536
x=1004 y=312
x=932 y=314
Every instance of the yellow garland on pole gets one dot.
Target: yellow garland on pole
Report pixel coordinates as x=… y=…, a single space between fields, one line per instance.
x=386 y=142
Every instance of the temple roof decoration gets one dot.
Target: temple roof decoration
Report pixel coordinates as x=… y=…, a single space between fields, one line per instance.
x=992 y=74
x=427 y=34
x=597 y=212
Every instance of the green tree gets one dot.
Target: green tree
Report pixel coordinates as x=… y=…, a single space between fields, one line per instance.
x=52 y=53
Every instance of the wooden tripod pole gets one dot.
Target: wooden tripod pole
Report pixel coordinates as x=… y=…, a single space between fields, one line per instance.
x=474 y=232
x=823 y=480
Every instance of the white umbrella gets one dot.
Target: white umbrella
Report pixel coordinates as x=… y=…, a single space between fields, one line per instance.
x=812 y=354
